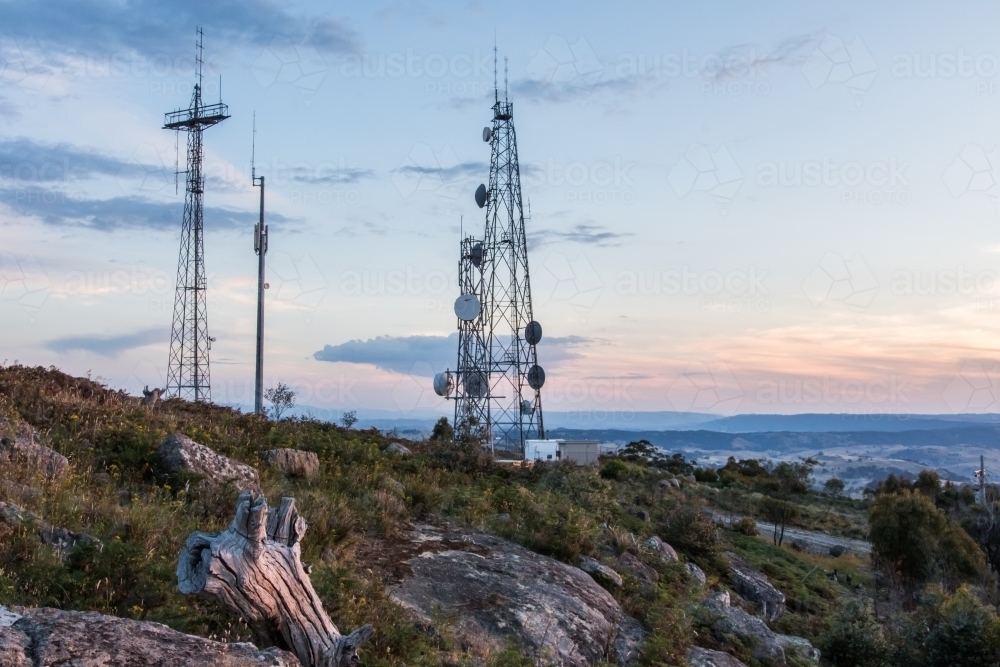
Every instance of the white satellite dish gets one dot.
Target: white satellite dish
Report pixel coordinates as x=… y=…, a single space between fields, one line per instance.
x=444 y=384
x=467 y=307
x=536 y=377
x=487 y=134
x=533 y=333
x=476 y=385
x=481 y=195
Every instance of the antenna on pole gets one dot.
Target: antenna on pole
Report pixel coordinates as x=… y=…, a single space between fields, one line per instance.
x=496 y=91
x=253 y=150
x=505 y=99
x=259 y=247
x=201 y=54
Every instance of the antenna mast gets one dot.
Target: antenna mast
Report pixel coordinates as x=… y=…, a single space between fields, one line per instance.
x=188 y=374
x=498 y=380
x=259 y=247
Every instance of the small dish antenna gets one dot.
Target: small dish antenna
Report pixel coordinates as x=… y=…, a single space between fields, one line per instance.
x=467 y=307
x=487 y=134
x=527 y=407
x=444 y=384
x=476 y=255
x=476 y=385
x=533 y=333
x=536 y=377
x=481 y=195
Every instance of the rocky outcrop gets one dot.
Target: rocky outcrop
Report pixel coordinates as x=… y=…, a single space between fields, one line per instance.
x=397 y=448
x=725 y=619
x=50 y=637
x=646 y=576
x=292 y=462
x=179 y=453
x=23 y=450
x=665 y=552
x=493 y=590
x=599 y=571
x=696 y=573
x=703 y=657
x=755 y=587
x=62 y=539
x=670 y=483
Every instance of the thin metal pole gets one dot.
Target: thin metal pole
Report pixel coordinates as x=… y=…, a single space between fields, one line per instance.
x=261 y=248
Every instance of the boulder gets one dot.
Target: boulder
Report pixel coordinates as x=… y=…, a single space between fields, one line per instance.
x=599 y=571
x=838 y=550
x=696 y=573
x=669 y=483
x=397 y=448
x=25 y=451
x=292 y=462
x=703 y=657
x=755 y=587
x=61 y=538
x=43 y=637
x=493 y=590
x=665 y=552
x=646 y=575
x=179 y=453
x=728 y=620
x=799 y=645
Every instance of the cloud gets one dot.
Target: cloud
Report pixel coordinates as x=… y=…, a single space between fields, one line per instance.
x=425 y=355
x=66 y=209
x=398 y=354
x=156 y=28
x=109 y=346
x=582 y=233
x=444 y=173
x=742 y=60
x=334 y=176
x=24 y=159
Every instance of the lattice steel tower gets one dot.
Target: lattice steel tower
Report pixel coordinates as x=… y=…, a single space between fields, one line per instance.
x=188 y=374
x=497 y=331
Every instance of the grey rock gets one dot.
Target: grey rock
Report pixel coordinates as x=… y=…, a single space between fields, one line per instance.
x=599 y=571
x=799 y=645
x=755 y=587
x=493 y=590
x=662 y=549
x=729 y=620
x=179 y=453
x=25 y=451
x=61 y=538
x=671 y=483
x=642 y=515
x=646 y=575
x=696 y=573
x=44 y=637
x=838 y=550
x=703 y=657
x=397 y=448
x=292 y=462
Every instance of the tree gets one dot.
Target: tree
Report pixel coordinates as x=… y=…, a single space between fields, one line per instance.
x=443 y=432
x=914 y=540
x=785 y=482
x=855 y=639
x=281 y=398
x=963 y=633
x=349 y=419
x=834 y=486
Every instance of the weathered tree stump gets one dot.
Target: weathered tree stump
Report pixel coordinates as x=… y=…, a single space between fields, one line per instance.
x=253 y=569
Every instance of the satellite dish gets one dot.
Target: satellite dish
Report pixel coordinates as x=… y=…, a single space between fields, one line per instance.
x=444 y=384
x=476 y=385
x=536 y=377
x=467 y=307
x=527 y=407
x=533 y=333
x=481 y=195
x=487 y=134
x=476 y=255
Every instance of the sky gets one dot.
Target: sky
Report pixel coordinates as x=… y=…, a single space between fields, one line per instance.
x=769 y=208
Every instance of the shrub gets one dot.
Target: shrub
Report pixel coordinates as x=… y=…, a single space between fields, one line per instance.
x=614 y=469
x=706 y=475
x=855 y=639
x=746 y=526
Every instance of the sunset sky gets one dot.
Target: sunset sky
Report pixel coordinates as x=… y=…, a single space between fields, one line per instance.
x=734 y=207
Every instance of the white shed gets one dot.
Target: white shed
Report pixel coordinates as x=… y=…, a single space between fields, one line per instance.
x=541 y=450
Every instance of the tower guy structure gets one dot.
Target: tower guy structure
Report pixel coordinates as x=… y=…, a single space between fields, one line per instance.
x=498 y=381
x=188 y=374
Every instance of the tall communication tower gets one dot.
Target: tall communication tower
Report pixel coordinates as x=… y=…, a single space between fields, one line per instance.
x=259 y=247
x=498 y=380
x=188 y=374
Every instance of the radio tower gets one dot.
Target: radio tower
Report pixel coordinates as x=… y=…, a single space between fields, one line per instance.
x=497 y=330
x=188 y=373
